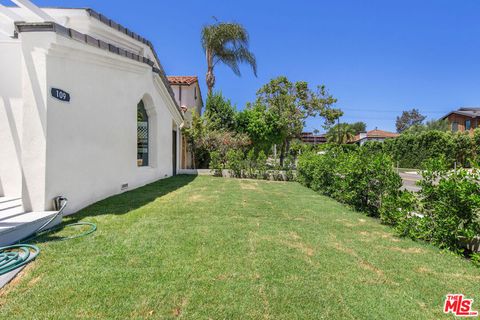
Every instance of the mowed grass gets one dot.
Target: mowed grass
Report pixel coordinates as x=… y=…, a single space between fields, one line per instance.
x=212 y=248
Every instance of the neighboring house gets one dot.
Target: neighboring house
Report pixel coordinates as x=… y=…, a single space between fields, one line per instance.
x=464 y=119
x=312 y=138
x=373 y=135
x=86 y=110
x=189 y=98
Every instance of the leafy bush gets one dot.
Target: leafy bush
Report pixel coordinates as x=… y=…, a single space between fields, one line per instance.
x=289 y=166
x=358 y=178
x=317 y=171
x=411 y=150
x=398 y=207
x=450 y=201
x=235 y=163
x=261 y=165
x=445 y=212
x=475 y=257
x=251 y=165
x=367 y=178
x=215 y=163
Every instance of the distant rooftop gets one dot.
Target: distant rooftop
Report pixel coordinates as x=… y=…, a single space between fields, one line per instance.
x=472 y=112
x=381 y=134
x=182 y=80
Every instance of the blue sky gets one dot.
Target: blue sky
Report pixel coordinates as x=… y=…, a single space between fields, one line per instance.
x=376 y=57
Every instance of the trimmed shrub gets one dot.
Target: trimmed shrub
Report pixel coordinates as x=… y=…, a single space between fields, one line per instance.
x=450 y=200
x=411 y=150
x=358 y=178
x=235 y=163
x=215 y=164
x=261 y=165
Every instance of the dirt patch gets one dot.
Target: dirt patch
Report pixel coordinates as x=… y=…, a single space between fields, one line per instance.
x=362 y=263
x=248 y=185
x=300 y=246
x=443 y=275
x=293 y=235
x=32 y=282
x=177 y=311
x=293 y=241
x=370 y=267
x=266 y=304
x=423 y=270
x=196 y=197
x=406 y=250
x=346 y=250
x=378 y=234
x=346 y=223
x=299 y=219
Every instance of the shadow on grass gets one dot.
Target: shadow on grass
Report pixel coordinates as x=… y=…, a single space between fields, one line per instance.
x=119 y=204
x=134 y=199
x=122 y=203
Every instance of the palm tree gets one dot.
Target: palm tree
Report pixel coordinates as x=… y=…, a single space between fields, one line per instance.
x=341 y=133
x=226 y=43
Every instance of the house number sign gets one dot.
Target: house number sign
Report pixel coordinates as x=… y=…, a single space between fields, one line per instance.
x=60 y=95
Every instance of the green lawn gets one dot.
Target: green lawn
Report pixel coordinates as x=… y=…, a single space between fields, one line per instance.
x=213 y=248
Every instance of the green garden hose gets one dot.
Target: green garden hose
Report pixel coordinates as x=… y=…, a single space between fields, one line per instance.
x=93 y=228
x=18 y=255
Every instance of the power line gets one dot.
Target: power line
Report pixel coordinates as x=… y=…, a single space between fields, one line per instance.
x=389 y=111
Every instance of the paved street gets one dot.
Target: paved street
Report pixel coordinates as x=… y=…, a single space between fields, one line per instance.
x=409 y=179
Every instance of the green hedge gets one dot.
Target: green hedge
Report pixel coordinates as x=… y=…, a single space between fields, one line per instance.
x=412 y=150
x=445 y=212
x=357 y=177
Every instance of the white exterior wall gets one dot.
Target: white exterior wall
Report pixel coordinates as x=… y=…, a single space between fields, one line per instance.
x=10 y=118
x=185 y=97
x=87 y=148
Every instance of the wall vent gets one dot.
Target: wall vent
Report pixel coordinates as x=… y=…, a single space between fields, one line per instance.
x=124 y=186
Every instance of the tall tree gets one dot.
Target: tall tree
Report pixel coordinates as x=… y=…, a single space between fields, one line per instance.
x=358 y=127
x=432 y=125
x=292 y=103
x=227 y=43
x=409 y=118
x=341 y=133
x=219 y=113
x=261 y=125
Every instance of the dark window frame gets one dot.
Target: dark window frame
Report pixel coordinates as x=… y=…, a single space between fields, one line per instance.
x=143 y=135
x=469 y=126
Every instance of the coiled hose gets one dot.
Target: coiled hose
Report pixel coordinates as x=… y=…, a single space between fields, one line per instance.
x=18 y=255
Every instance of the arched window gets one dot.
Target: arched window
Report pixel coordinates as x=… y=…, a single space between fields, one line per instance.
x=142 y=135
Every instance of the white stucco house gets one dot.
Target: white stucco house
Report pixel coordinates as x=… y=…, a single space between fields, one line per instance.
x=86 y=110
x=188 y=96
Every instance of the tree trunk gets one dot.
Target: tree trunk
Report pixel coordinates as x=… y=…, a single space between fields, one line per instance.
x=210 y=80
x=210 y=77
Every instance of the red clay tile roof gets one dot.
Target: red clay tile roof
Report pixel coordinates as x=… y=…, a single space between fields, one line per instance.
x=186 y=80
x=381 y=134
x=375 y=134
